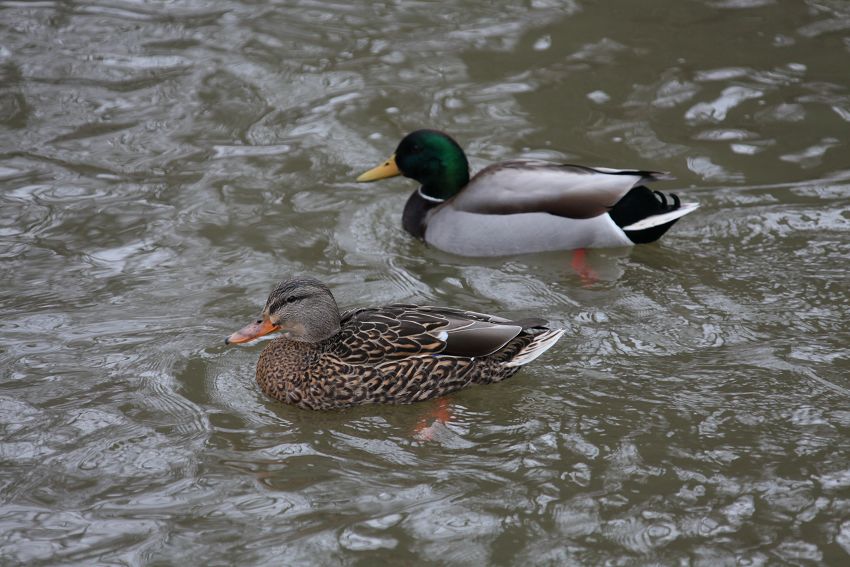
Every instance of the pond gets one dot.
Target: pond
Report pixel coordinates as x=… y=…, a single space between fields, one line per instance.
x=164 y=164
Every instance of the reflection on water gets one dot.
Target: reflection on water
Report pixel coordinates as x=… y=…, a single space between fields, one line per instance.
x=161 y=165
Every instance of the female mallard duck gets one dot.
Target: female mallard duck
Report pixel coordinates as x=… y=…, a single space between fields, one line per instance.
x=394 y=354
x=523 y=206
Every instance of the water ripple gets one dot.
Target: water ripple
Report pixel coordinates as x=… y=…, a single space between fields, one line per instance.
x=164 y=165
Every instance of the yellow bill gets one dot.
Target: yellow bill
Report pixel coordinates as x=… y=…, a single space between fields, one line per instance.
x=386 y=169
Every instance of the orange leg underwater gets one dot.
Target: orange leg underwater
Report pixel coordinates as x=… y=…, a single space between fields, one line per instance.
x=440 y=413
x=579 y=265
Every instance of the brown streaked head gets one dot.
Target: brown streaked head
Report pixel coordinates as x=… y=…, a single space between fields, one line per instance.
x=302 y=308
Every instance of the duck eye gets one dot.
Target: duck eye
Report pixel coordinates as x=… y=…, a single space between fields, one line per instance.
x=416 y=148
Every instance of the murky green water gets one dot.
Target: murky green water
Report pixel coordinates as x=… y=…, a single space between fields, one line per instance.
x=164 y=163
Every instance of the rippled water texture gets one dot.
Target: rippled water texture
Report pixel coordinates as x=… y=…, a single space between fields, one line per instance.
x=162 y=164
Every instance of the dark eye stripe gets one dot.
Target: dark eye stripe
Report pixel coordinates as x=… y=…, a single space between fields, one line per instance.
x=289 y=299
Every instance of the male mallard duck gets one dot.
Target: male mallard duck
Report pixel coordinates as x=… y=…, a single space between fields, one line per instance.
x=394 y=354
x=523 y=206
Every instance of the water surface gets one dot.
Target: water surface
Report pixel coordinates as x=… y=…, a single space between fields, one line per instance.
x=163 y=164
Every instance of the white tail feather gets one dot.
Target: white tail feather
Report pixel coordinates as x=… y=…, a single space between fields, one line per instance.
x=538 y=346
x=663 y=218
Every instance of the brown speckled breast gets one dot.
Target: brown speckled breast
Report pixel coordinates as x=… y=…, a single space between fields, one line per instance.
x=314 y=377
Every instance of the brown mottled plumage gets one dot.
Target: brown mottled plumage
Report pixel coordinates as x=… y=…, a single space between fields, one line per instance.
x=394 y=354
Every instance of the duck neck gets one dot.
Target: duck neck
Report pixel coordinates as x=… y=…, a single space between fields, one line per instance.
x=415 y=211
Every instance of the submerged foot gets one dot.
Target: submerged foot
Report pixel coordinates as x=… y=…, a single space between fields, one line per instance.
x=579 y=264
x=437 y=416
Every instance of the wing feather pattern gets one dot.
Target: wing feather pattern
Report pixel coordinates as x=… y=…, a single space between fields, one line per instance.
x=396 y=332
x=572 y=191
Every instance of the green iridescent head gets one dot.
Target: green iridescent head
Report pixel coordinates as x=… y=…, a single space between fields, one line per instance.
x=430 y=157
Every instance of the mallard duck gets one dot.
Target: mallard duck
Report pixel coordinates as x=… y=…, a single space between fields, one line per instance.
x=523 y=206
x=394 y=354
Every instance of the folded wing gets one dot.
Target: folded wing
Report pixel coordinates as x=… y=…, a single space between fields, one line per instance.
x=571 y=191
x=400 y=331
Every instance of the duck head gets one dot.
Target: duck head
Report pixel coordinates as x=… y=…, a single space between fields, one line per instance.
x=430 y=157
x=303 y=309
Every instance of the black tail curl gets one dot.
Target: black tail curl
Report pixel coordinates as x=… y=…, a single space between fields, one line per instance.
x=676 y=202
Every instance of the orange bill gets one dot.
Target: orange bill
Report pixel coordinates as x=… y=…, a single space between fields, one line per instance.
x=251 y=332
x=386 y=169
